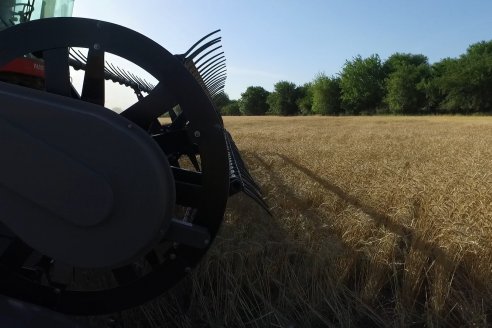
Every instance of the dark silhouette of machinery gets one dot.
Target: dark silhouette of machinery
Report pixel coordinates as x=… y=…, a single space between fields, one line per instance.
x=101 y=211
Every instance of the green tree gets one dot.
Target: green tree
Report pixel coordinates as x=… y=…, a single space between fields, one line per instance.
x=362 y=84
x=305 y=98
x=405 y=93
x=283 y=100
x=432 y=88
x=231 y=109
x=326 y=95
x=399 y=59
x=254 y=101
x=405 y=83
x=466 y=82
x=479 y=49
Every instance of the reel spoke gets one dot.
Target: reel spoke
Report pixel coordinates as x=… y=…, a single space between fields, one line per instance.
x=57 y=71
x=93 y=87
x=175 y=142
x=146 y=110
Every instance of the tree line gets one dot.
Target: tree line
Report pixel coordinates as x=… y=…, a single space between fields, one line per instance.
x=403 y=84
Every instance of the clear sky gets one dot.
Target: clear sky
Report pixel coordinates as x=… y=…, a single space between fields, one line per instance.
x=266 y=41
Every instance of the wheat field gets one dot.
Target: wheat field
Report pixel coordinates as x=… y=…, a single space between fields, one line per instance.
x=376 y=222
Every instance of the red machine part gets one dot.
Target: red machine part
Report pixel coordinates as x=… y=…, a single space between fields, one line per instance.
x=25 y=66
x=25 y=71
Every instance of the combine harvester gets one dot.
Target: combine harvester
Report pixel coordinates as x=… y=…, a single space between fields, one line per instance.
x=89 y=193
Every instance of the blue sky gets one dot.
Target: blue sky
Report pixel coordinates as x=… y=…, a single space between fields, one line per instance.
x=268 y=41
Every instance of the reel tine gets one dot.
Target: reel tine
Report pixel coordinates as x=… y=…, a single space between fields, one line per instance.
x=135 y=80
x=239 y=175
x=125 y=75
x=213 y=69
x=118 y=73
x=199 y=41
x=199 y=67
x=217 y=89
x=202 y=48
x=150 y=86
x=81 y=56
x=71 y=54
x=204 y=68
x=138 y=81
x=206 y=54
x=216 y=93
x=239 y=161
x=258 y=200
x=216 y=84
x=111 y=72
x=216 y=81
x=219 y=77
x=110 y=68
x=146 y=86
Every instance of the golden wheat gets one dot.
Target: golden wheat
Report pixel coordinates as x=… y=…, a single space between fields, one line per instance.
x=377 y=221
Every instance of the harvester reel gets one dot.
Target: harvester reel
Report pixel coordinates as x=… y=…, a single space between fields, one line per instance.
x=186 y=219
